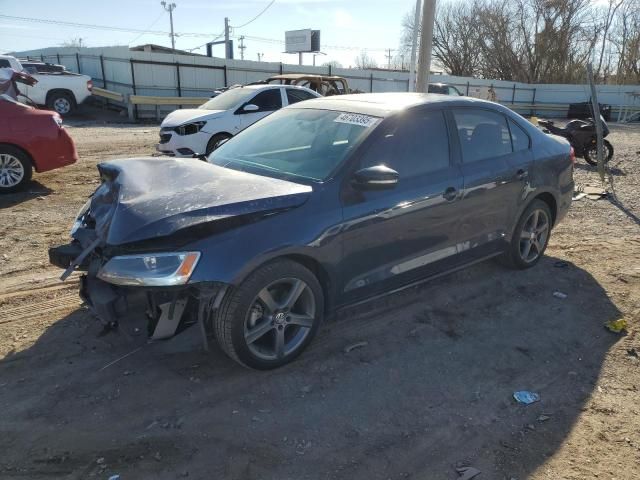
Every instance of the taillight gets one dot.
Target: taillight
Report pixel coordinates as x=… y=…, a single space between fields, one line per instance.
x=89 y=85
x=572 y=155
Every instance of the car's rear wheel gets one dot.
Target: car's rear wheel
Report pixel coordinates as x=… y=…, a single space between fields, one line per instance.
x=530 y=237
x=217 y=140
x=61 y=102
x=15 y=169
x=271 y=317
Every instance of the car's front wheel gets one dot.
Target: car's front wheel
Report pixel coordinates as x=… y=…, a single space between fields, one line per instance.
x=215 y=141
x=272 y=316
x=530 y=237
x=15 y=169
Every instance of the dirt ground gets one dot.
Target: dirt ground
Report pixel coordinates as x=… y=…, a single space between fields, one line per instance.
x=431 y=390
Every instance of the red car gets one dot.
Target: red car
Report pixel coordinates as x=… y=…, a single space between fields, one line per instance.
x=30 y=139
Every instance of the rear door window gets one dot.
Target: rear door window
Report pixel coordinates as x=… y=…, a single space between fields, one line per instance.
x=483 y=134
x=4 y=63
x=268 y=100
x=519 y=137
x=295 y=95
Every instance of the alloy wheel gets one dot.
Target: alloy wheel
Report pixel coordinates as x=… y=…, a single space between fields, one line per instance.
x=280 y=319
x=11 y=171
x=534 y=235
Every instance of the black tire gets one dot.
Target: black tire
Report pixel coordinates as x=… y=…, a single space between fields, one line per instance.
x=517 y=256
x=61 y=102
x=238 y=309
x=216 y=141
x=16 y=169
x=591 y=155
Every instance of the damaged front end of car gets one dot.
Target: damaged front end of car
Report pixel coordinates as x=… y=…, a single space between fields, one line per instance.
x=133 y=239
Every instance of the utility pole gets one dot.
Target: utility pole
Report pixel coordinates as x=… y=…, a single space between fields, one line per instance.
x=388 y=55
x=170 y=8
x=426 y=41
x=260 y=56
x=402 y=62
x=598 y=121
x=299 y=58
x=226 y=37
x=414 y=45
x=241 y=47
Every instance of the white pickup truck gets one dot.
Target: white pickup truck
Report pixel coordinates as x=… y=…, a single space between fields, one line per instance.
x=60 y=91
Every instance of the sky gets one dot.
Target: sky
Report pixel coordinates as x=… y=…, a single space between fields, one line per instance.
x=346 y=27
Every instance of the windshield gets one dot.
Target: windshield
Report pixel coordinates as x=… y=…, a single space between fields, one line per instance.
x=305 y=143
x=228 y=99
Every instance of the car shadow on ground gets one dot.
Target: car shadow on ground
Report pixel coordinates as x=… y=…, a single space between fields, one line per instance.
x=615 y=171
x=34 y=190
x=426 y=385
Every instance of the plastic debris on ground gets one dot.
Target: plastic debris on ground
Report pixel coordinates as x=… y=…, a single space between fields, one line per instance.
x=560 y=295
x=616 y=326
x=525 y=397
x=578 y=196
x=594 y=193
x=590 y=191
x=355 y=346
x=467 y=473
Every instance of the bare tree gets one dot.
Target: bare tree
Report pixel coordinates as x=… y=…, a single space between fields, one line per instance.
x=364 y=61
x=547 y=41
x=332 y=64
x=74 y=43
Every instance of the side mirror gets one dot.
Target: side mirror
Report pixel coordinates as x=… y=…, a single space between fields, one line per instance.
x=250 y=107
x=379 y=177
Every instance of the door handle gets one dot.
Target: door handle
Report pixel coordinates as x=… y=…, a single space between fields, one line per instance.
x=521 y=174
x=450 y=194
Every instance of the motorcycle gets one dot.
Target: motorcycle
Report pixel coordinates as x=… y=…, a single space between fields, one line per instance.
x=582 y=137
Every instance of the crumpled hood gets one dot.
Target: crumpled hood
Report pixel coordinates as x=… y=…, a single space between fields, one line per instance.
x=189 y=115
x=144 y=198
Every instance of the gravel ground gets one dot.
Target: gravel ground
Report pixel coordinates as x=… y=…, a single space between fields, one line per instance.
x=429 y=392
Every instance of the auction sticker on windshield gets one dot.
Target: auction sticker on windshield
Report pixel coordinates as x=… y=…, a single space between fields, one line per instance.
x=356 y=119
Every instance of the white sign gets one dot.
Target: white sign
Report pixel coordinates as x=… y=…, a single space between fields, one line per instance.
x=356 y=119
x=297 y=41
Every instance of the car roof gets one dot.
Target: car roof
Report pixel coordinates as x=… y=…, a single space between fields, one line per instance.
x=296 y=76
x=386 y=104
x=266 y=86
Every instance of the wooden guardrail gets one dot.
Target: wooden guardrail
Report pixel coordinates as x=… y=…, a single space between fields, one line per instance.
x=133 y=100
x=147 y=100
x=108 y=94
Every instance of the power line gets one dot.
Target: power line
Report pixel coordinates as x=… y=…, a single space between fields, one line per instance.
x=258 y=15
x=154 y=22
x=102 y=27
x=212 y=40
x=164 y=33
x=324 y=47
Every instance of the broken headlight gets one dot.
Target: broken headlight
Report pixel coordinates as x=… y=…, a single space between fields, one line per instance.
x=150 y=270
x=189 y=128
x=80 y=217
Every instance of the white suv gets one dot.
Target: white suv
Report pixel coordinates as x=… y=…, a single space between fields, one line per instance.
x=197 y=131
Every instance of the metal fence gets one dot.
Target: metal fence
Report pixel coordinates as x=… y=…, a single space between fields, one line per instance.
x=156 y=74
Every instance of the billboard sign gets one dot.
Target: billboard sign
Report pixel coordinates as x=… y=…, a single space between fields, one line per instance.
x=306 y=40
